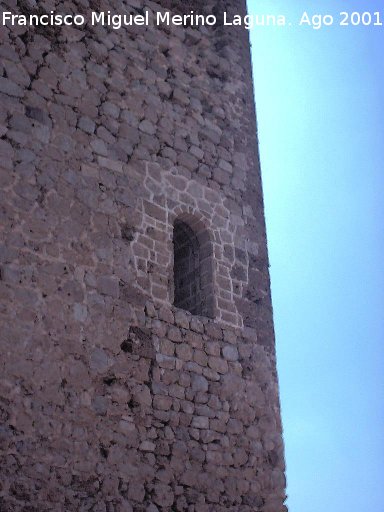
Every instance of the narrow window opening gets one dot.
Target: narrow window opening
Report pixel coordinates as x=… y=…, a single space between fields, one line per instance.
x=193 y=286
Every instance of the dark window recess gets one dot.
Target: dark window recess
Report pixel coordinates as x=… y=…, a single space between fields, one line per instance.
x=193 y=275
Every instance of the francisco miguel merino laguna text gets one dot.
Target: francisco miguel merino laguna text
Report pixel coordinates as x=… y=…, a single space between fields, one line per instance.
x=116 y=21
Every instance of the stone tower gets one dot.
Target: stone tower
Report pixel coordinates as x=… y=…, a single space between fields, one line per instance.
x=137 y=347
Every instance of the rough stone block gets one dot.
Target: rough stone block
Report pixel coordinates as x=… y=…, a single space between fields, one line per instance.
x=230 y=353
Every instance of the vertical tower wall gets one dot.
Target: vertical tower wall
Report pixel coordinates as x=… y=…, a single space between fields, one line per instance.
x=111 y=398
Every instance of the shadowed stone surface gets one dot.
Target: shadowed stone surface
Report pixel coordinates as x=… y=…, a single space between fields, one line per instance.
x=111 y=398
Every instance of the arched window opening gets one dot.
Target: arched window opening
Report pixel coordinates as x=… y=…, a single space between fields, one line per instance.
x=192 y=264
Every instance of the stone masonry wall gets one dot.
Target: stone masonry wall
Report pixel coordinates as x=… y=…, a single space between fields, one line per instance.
x=111 y=398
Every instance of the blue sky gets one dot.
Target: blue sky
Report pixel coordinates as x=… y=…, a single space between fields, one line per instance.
x=320 y=108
